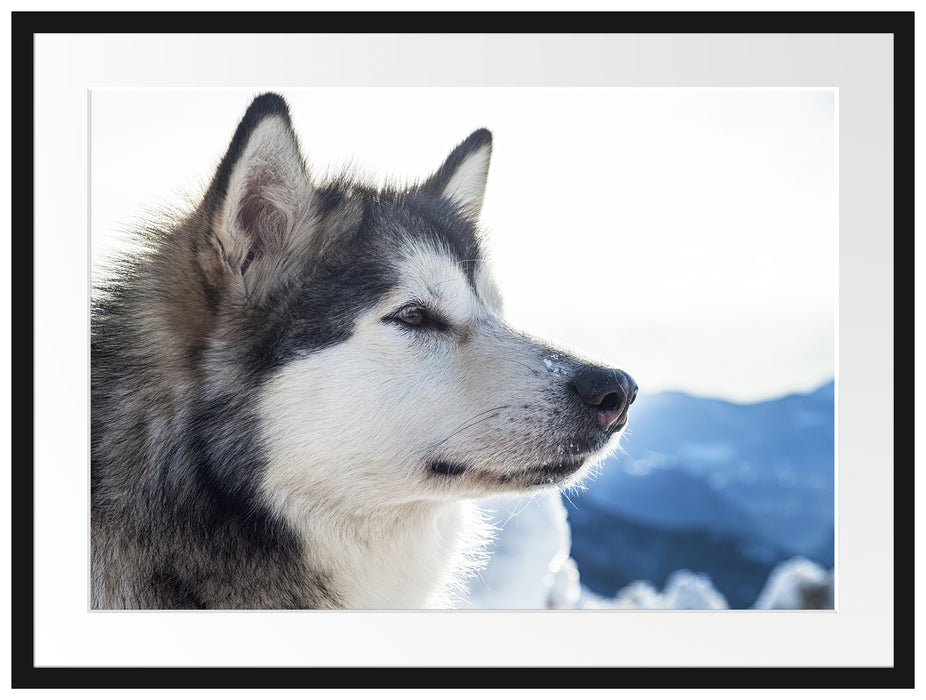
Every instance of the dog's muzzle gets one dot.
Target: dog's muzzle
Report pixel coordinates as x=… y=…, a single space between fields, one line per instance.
x=608 y=392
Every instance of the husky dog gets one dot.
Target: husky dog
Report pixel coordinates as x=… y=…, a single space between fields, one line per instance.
x=299 y=387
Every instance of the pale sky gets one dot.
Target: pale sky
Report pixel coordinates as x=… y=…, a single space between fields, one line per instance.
x=688 y=236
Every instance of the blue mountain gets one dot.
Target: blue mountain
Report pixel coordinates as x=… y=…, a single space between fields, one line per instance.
x=758 y=478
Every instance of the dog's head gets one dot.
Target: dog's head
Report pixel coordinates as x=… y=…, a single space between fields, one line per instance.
x=371 y=323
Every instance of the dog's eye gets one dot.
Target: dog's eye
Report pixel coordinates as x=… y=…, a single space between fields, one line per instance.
x=412 y=315
x=418 y=316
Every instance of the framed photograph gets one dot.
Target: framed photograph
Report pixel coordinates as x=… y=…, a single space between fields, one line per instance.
x=707 y=201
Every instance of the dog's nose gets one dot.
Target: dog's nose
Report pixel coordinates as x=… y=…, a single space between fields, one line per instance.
x=608 y=392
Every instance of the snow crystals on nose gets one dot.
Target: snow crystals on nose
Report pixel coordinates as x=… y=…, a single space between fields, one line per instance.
x=552 y=363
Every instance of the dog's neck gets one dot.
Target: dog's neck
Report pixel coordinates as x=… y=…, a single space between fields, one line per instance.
x=418 y=555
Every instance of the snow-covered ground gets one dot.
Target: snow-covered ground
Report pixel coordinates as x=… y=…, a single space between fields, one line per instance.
x=530 y=568
x=797 y=583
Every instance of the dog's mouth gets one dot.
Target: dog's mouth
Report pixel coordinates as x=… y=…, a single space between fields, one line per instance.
x=540 y=475
x=553 y=473
x=444 y=468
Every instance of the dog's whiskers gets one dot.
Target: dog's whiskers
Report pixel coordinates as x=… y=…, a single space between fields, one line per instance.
x=526 y=366
x=475 y=420
x=565 y=495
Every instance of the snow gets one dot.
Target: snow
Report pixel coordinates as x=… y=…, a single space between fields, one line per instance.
x=684 y=590
x=530 y=566
x=794 y=584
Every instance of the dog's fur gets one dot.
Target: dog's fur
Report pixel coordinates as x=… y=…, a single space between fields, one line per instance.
x=298 y=388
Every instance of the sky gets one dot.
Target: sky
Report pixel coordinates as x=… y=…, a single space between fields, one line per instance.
x=686 y=236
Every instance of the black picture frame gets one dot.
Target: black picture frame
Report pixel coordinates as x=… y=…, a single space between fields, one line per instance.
x=27 y=25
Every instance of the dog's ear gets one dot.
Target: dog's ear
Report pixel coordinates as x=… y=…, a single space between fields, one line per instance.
x=462 y=177
x=259 y=191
